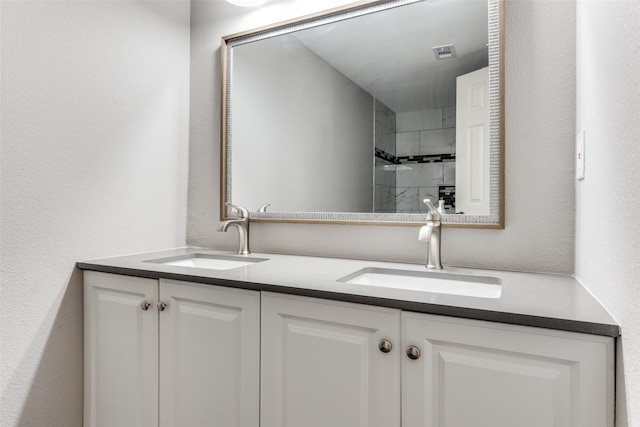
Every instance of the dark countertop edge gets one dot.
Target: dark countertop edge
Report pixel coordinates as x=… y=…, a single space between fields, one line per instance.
x=608 y=330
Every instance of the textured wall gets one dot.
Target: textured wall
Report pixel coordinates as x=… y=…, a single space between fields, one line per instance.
x=94 y=163
x=540 y=111
x=608 y=200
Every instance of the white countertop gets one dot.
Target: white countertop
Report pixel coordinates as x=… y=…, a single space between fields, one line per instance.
x=532 y=299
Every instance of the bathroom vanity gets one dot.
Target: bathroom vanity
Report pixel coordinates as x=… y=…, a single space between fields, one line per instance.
x=194 y=337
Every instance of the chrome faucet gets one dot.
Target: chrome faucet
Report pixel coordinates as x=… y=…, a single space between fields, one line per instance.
x=242 y=224
x=431 y=233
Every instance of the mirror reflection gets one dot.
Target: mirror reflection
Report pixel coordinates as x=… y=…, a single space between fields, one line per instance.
x=367 y=113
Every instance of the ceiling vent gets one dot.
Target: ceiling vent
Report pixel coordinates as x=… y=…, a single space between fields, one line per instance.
x=445 y=52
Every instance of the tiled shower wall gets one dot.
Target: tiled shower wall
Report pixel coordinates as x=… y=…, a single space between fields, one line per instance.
x=422 y=133
x=385 y=174
x=403 y=135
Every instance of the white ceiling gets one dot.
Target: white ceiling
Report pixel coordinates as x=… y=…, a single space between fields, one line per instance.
x=390 y=55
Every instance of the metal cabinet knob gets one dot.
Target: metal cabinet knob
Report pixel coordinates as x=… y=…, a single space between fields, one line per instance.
x=162 y=305
x=385 y=346
x=144 y=305
x=413 y=352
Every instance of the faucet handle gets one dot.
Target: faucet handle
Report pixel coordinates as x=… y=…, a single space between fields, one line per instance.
x=263 y=208
x=242 y=212
x=423 y=234
x=432 y=212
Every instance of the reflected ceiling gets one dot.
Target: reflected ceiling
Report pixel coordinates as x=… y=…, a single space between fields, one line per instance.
x=390 y=51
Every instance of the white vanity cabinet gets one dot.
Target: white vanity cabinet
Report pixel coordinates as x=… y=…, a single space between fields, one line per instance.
x=328 y=363
x=169 y=353
x=322 y=366
x=485 y=374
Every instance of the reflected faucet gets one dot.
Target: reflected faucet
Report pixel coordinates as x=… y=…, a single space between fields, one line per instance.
x=242 y=224
x=431 y=233
x=263 y=208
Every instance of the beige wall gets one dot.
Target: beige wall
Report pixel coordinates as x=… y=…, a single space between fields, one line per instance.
x=94 y=146
x=540 y=111
x=608 y=200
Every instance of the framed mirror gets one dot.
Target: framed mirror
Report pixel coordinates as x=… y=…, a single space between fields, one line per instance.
x=357 y=114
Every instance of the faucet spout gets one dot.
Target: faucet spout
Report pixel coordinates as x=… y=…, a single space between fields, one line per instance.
x=431 y=233
x=242 y=224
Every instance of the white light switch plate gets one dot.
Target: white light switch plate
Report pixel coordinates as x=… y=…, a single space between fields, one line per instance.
x=580 y=138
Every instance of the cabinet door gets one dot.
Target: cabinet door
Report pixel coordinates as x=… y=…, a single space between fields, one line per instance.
x=321 y=365
x=120 y=351
x=474 y=373
x=209 y=356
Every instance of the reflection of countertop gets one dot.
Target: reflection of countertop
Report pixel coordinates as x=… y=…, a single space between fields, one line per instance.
x=532 y=299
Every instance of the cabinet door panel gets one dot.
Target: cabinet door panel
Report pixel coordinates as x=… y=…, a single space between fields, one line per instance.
x=321 y=365
x=121 y=351
x=480 y=374
x=209 y=356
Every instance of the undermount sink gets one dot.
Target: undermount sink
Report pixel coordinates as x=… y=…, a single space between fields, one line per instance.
x=208 y=261
x=442 y=283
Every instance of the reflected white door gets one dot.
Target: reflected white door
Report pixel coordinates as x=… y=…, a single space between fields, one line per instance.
x=321 y=365
x=472 y=143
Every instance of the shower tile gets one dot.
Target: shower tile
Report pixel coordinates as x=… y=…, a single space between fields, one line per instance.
x=385 y=176
x=448 y=118
x=385 y=199
x=419 y=120
x=431 y=174
x=449 y=173
x=407 y=144
x=407 y=199
x=408 y=177
x=386 y=141
x=385 y=116
x=437 y=141
x=420 y=175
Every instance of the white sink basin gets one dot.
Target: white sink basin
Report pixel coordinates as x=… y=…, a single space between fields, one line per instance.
x=211 y=262
x=442 y=283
